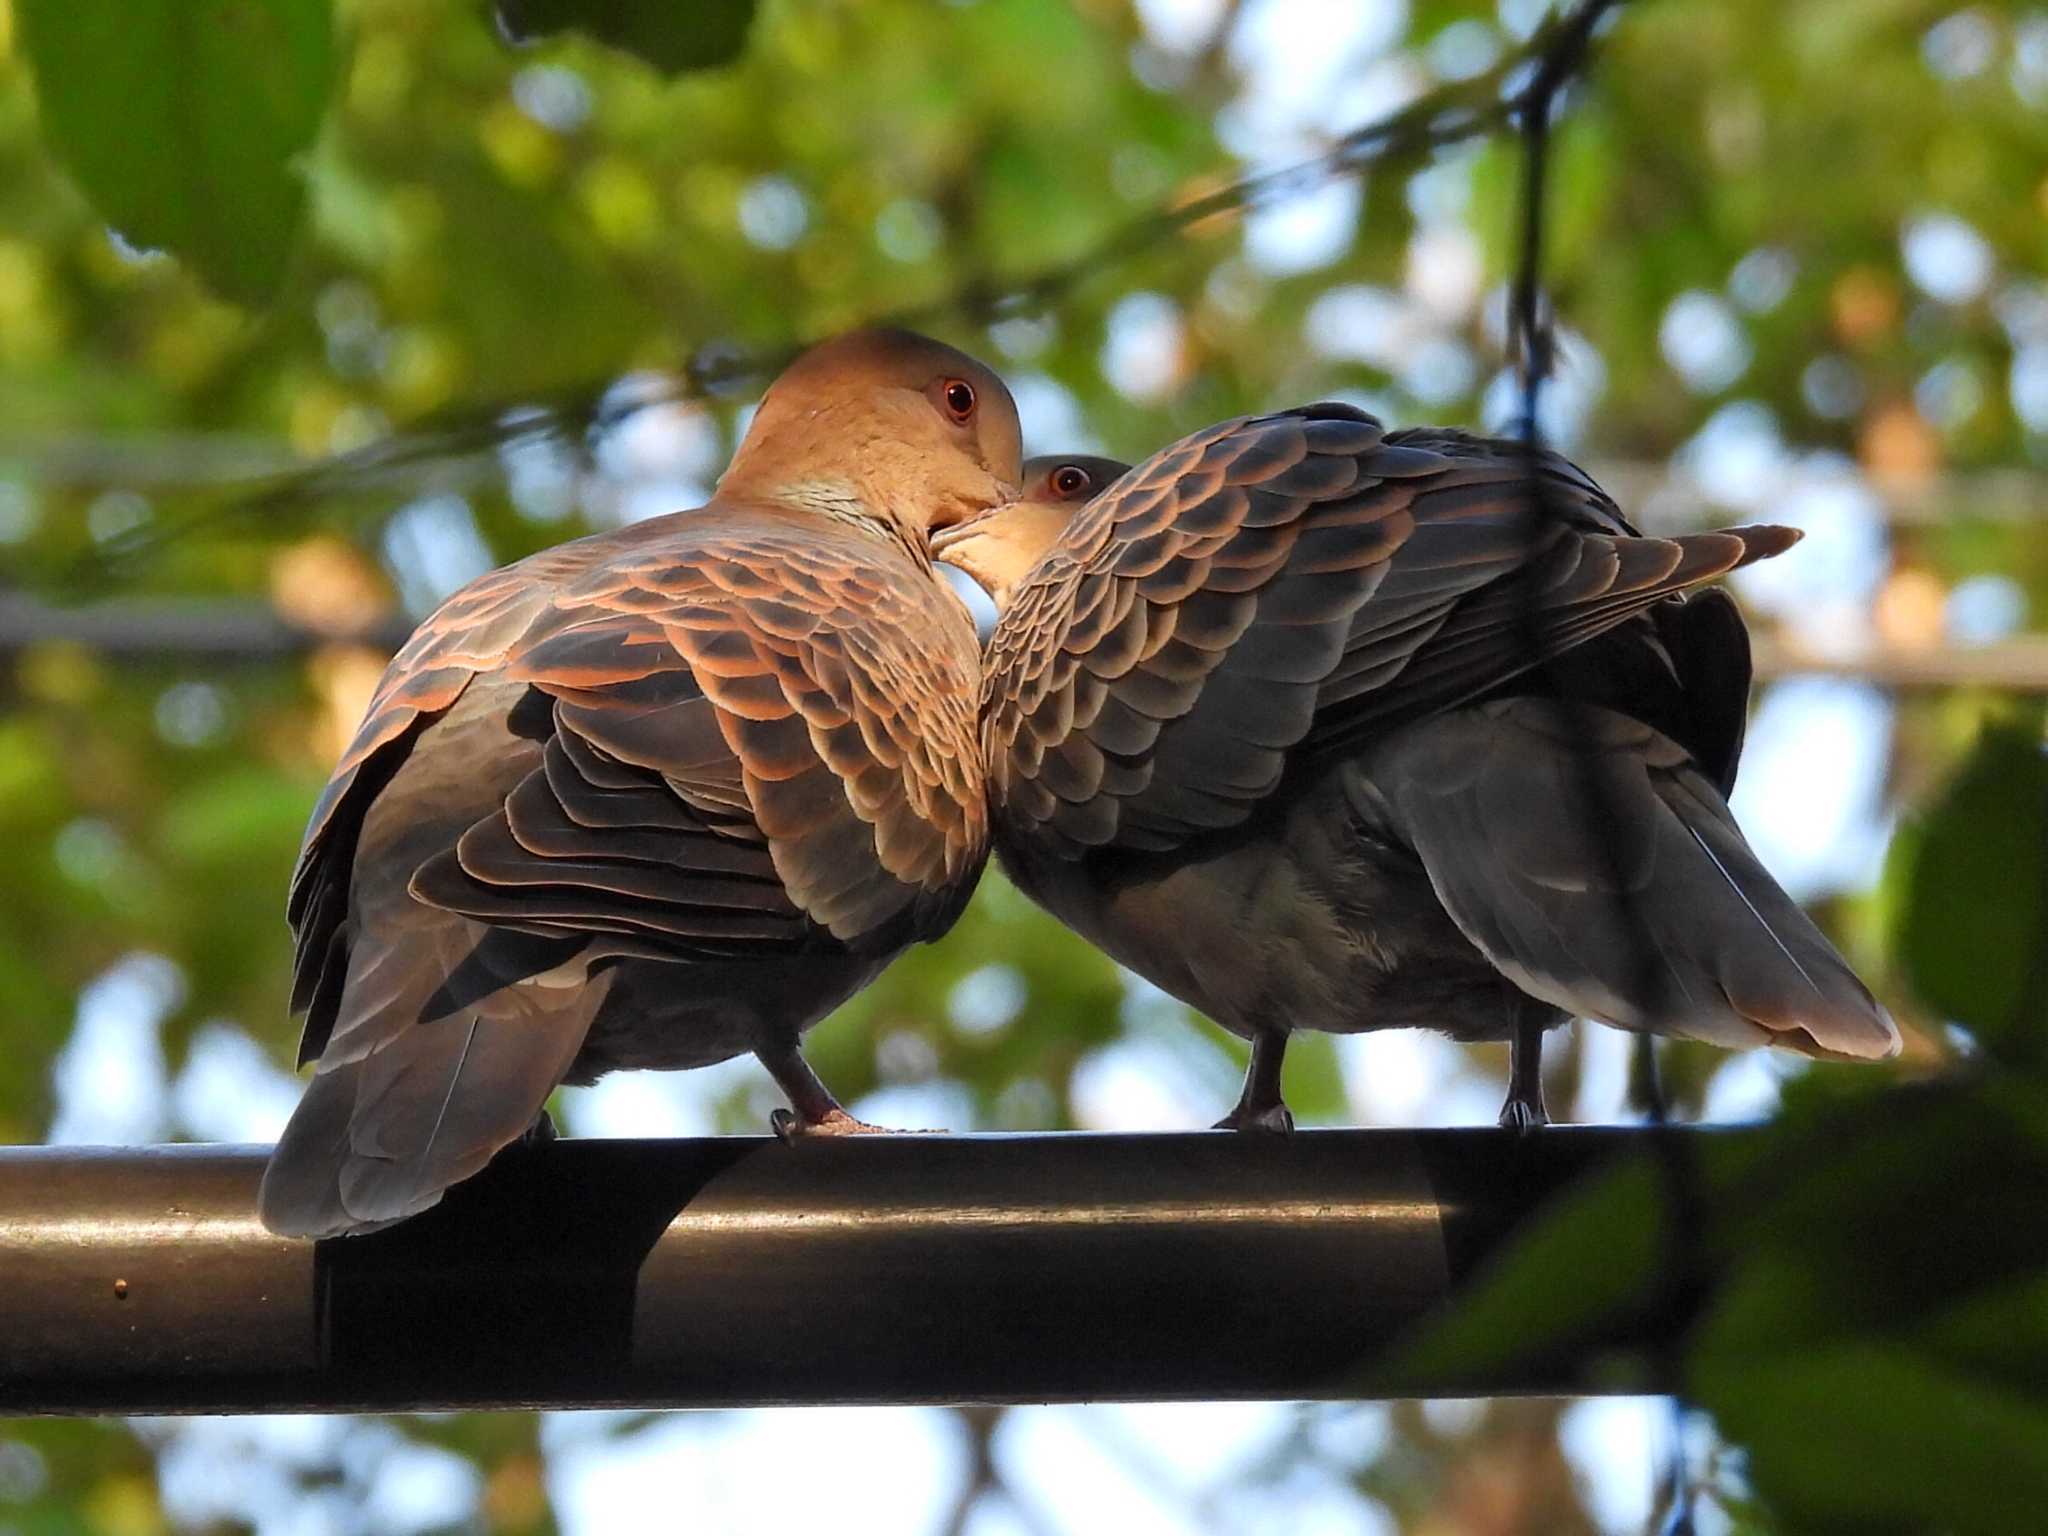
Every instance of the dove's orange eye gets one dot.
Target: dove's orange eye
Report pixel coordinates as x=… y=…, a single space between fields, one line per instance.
x=958 y=396
x=1069 y=481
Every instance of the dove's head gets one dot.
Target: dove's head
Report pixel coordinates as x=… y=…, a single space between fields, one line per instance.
x=886 y=427
x=999 y=546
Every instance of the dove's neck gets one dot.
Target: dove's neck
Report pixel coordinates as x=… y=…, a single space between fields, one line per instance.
x=841 y=501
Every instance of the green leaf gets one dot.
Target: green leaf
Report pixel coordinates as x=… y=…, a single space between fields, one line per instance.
x=1873 y=1363
x=673 y=38
x=1974 y=922
x=180 y=120
x=2000 y=1333
x=1547 y=1281
x=1542 y=1296
x=1873 y=1437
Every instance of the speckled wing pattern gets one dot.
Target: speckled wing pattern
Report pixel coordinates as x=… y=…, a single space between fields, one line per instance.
x=756 y=738
x=1286 y=584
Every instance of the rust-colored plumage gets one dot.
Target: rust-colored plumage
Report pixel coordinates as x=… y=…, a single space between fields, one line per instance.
x=1318 y=726
x=652 y=798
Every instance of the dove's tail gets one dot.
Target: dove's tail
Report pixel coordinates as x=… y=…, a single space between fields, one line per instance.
x=403 y=1106
x=1598 y=870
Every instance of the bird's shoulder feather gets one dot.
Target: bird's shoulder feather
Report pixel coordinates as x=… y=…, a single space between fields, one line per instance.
x=1287 y=586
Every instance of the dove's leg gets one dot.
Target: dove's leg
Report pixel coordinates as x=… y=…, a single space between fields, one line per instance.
x=1524 y=1110
x=1260 y=1107
x=813 y=1111
x=1645 y=1084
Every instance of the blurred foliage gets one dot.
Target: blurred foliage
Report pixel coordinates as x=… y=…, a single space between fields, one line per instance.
x=337 y=221
x=231 y=91
x=712 y=34
x=1983 y=963
x=1874 y=1338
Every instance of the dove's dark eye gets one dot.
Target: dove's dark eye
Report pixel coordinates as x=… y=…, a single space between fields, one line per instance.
x=958 y=396
x=1070 y=481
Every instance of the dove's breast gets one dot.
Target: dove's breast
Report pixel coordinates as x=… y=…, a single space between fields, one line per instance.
x=1299 y=920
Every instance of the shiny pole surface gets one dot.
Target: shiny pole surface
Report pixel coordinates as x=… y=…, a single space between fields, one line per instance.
x=738 y=1271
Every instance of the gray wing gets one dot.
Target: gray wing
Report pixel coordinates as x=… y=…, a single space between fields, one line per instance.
x=1288 y=585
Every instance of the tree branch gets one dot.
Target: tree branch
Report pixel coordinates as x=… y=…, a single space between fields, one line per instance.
x=1449 y=115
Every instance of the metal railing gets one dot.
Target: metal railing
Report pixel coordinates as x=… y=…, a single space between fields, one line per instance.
x=740 y=1271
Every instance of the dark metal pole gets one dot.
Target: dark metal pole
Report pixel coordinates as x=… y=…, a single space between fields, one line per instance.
x=741 y=1271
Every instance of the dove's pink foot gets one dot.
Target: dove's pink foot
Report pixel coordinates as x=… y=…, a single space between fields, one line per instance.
x=812 y=1109
x=791 y=1126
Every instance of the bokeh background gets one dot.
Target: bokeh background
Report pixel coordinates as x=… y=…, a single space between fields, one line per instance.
x=1797 y=259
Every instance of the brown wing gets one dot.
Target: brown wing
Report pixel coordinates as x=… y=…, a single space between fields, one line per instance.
x=472 y=632
x=756 y=737
x=1289 y=584
x=764 y=742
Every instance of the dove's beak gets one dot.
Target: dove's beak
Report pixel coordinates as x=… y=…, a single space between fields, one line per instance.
x=945 y=535
x=998 y=547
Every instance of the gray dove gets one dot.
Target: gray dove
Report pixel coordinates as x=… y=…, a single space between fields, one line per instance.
x=1320 y=726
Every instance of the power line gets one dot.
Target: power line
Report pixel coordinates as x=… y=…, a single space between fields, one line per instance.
x=1452 y=113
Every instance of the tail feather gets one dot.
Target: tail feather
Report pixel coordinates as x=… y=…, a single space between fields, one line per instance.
x=1812 y=1002
x=432 y=1113
x=1632 y=898
x=301 y=1191
x=381 y=1135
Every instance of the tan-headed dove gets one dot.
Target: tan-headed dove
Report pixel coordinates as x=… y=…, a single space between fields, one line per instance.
x=1268 y=720
x=654 y=797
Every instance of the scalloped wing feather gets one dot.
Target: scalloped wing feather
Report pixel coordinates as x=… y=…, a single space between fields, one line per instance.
x=1294 y=584
x=754 y=739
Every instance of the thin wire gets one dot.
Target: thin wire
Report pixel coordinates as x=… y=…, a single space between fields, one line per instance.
x=578 y=413
x=1536 y=344
x=1535 y=341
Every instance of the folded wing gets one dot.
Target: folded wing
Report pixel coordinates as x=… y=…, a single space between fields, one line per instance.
x=1290 y=585
x=706 y=741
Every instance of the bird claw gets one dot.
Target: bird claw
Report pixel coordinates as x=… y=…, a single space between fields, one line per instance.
x=1273 y=1120
x=1521 y=1115
x=793 y=1128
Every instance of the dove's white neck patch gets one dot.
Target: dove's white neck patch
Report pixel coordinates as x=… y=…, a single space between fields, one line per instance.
x=836 y=499
x=842 y=502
